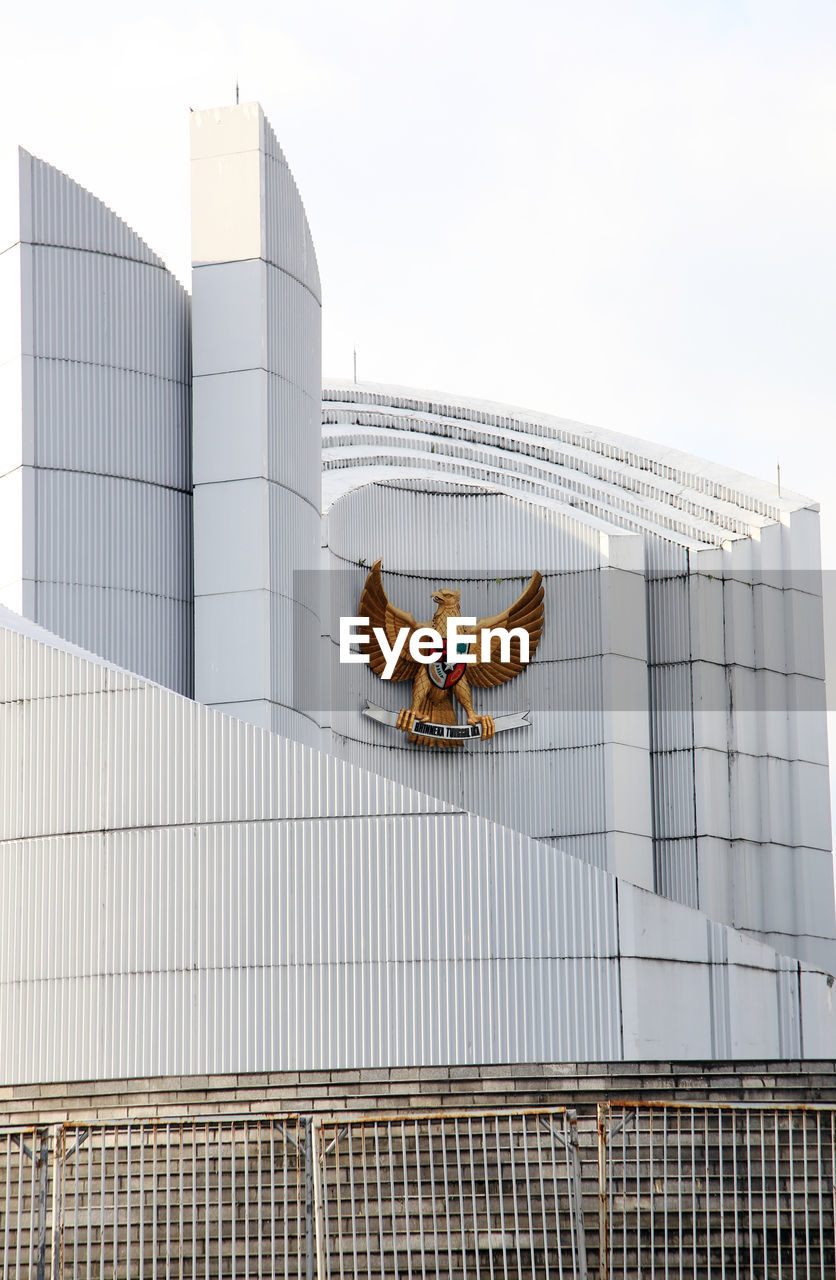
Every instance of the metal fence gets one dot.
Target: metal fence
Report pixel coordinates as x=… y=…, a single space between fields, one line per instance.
x=717 y=1191
x=458 y=1195
x=188 y=1199
x=462 y=1195
x=24 y=1172
x=739 y=1192
x=209 y=1197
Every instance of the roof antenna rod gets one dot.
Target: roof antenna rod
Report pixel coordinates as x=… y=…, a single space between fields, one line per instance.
x=779 y=472
x=236 y=91
x=355 y=364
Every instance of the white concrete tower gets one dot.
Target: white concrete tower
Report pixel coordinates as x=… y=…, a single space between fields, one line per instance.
x=95 y=445
x=257 y=395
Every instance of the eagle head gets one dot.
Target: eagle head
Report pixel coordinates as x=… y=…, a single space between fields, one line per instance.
x=448 y=602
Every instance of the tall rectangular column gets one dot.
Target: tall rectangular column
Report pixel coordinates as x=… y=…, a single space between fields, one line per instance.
x=257 y=396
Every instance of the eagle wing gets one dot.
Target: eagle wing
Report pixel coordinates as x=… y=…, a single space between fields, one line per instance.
x=375 y=605
x=527 y=612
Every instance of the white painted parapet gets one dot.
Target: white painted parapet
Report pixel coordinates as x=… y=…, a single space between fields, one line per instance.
x=257 y=389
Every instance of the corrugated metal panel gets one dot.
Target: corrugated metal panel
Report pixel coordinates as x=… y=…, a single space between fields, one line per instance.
x=380 y=910
x=115 y=422
x=672 y=721
x=188 y=920
x=109 y=530
x=591 y=848
x=673 y=781
x=110 y=311
x=100 y=531
x=154 y=758
x=286 y=1019
x=301 y=893
x=148 y=634
x=292 y=426
x=542 y=793
x=294 y=529
x=676 y=869
x=292 y=334
x=425 y=528
x=286 y=235
x=57 y=211
x=670 y=633
x=291 y=947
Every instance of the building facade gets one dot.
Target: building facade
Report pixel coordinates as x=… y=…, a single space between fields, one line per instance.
x=678 y=728
x=215 y=865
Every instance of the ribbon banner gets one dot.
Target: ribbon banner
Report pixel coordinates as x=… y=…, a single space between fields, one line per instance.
x=458 y=732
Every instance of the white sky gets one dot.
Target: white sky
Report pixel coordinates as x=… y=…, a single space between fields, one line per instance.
x=618 y=212
x=622 y=213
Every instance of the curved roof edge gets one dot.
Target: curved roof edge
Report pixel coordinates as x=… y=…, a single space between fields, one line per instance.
x=438 y=401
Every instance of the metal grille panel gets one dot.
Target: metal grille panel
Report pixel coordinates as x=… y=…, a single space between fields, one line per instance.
x=24 y=1166
x=471 y=1195
x=718 y=1191
x=220 y=1198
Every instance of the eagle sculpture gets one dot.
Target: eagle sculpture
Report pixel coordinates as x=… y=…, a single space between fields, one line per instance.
x=434 y=686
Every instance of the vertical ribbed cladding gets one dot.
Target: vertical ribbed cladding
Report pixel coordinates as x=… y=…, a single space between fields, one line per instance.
x=214 y=899
x=293 y=423
x=57 y=211
x=79 y=404
x=671 y=721
x=231 y=901
x=548 y=780
x=102 y=310
x=731 y=784
x=292 y=337
x=106 y=381
x=428 y=525
x=735 y=699
x=287 y=239
x=150 y=758
x=257 y=444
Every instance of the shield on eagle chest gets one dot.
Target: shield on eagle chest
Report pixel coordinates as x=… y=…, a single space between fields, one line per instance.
x=445 y=674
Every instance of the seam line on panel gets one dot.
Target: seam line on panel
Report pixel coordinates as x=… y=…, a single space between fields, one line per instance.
x=271 y=373
x=98 y=586
x=107 y=475
x=157 y=264
x=185 y=381
x=279 y=484
x=269 y=262
x=246 y=966
x=209 y=823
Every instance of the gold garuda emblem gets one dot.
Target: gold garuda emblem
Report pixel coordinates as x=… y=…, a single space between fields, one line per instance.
x=439 y=679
